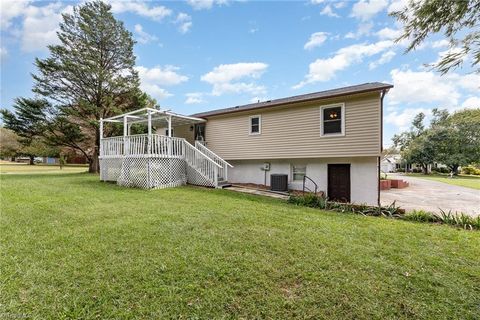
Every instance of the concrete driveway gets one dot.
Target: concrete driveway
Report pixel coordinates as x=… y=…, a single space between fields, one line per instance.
x=432 y=195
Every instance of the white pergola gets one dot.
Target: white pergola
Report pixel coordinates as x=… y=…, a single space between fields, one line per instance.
x=157 y=117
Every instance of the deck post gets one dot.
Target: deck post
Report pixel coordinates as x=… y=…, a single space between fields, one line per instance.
x=125 y=133
x=149 y=148
x=101 y=136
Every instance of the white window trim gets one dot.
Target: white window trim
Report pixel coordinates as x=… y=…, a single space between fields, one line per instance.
x=327 y=106
x=293 y=170
x=259 y=125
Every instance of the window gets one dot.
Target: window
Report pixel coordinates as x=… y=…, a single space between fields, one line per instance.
x=332 y=120
x=166 y=132
x=298 y=172
x=255 y=125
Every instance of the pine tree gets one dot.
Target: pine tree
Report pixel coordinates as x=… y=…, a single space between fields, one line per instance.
x=90 y=75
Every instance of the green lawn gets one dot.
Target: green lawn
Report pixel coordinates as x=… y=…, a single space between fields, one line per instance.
x=23 y=168
x=460 y=180
x=75 y=248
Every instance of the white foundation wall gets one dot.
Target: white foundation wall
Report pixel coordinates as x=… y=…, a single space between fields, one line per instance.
x=363 y=174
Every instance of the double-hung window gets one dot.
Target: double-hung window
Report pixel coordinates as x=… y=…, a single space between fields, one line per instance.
x=298 y=172
x=255 y=125
x=332 y=119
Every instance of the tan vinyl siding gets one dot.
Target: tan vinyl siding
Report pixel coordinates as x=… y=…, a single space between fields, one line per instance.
x=294 y=131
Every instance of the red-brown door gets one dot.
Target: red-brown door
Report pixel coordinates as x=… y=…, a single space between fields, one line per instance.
x=339 y=182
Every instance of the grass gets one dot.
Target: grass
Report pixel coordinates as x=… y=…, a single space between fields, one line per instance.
x=73 y=247
x=460 y=180
x=23 y=168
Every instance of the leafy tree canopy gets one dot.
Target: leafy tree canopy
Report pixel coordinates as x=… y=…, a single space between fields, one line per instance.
x=459 y=22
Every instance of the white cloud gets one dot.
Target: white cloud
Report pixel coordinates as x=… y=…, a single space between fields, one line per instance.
x=384 y=58
x=340 y=4
x=440 y=43
x=316 y=40
x=316 y=1
x=3 y=52
x=413 y=87
x=194 y=98
x=363 y=29
x=328 y=11
x=402 y=119
x=366 y=9
x=227 y=78
x=184 y=22
x=388 y=33
x=142 y=36
x=152 y=80
x=40 y=26
x=397 y=5
x=11 y=9
x=470 y=103
x=141 y=8
x=325 y=69
x=205 y=4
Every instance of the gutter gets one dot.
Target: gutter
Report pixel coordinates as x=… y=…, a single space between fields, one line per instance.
x=382 y=95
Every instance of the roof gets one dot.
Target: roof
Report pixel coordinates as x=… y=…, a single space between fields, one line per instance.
x=361 y=88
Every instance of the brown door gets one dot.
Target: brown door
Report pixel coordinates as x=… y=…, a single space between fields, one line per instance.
x=339 y=182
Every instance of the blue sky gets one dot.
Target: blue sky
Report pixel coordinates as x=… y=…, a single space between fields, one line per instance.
x=206 y=54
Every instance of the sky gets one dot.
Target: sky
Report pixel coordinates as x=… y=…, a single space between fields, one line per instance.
x=201 y=55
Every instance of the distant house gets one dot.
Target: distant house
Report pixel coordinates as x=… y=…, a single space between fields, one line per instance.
x=333 y=137
x=391 y=163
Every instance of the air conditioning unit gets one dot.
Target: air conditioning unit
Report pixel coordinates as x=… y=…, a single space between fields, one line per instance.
x=279 y=182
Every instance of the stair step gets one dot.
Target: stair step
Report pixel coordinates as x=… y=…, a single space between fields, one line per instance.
x=224 y=184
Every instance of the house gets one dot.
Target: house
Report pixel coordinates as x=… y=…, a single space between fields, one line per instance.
x=333 y=137
x=391 y=163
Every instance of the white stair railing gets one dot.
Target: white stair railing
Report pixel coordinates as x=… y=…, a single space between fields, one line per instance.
x=223 y=171
x=202 y=163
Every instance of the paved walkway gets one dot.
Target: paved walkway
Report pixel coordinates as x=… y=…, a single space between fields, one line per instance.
x=431 y=195
x=257 y=192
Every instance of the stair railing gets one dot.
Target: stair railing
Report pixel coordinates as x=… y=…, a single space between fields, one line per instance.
x=202 y=163
x=305 y=178
x=223 y=170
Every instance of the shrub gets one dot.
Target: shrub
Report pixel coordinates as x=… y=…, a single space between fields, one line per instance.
x=471 y=170
x=416 y=170
x=309 y=200
x=420 y=216
x=441 y=170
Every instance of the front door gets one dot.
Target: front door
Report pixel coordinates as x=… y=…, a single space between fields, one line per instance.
x=339 y=182
x=200 y=132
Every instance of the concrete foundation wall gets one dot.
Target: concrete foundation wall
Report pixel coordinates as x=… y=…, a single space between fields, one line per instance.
x=363 y=174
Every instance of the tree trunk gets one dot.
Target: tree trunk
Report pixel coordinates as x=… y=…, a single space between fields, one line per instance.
x=425 y=168
x=454 y=168
x=94 y=164
x=32 y=162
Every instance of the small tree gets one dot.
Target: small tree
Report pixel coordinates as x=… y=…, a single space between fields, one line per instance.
x=454 y=18
x=10 y=145
x=456 y=138
x=90 y=74
x=28 y=121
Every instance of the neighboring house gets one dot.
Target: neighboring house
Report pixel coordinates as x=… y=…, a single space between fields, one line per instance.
x=391 y=163
x=334 y=137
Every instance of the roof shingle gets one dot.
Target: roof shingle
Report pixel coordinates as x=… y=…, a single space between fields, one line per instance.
x=361 y=88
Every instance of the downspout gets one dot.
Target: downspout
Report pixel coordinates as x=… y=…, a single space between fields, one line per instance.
x=382 y=95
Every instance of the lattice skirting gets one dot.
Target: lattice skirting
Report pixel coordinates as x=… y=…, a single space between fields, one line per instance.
x=110 y=169
x=144 y=172
x=196 y=178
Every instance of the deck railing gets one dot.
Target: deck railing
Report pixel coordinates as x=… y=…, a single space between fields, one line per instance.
x=168 y=147
x=201 y=162
x=223 y=170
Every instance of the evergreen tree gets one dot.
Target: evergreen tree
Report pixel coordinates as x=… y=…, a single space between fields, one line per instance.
x=90 y=75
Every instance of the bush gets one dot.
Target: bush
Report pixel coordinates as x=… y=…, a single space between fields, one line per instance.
x=471 y=170
x=392 y=211
x=416 y=170
x=309 y=200
x=441 y=170
x=455 y=219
